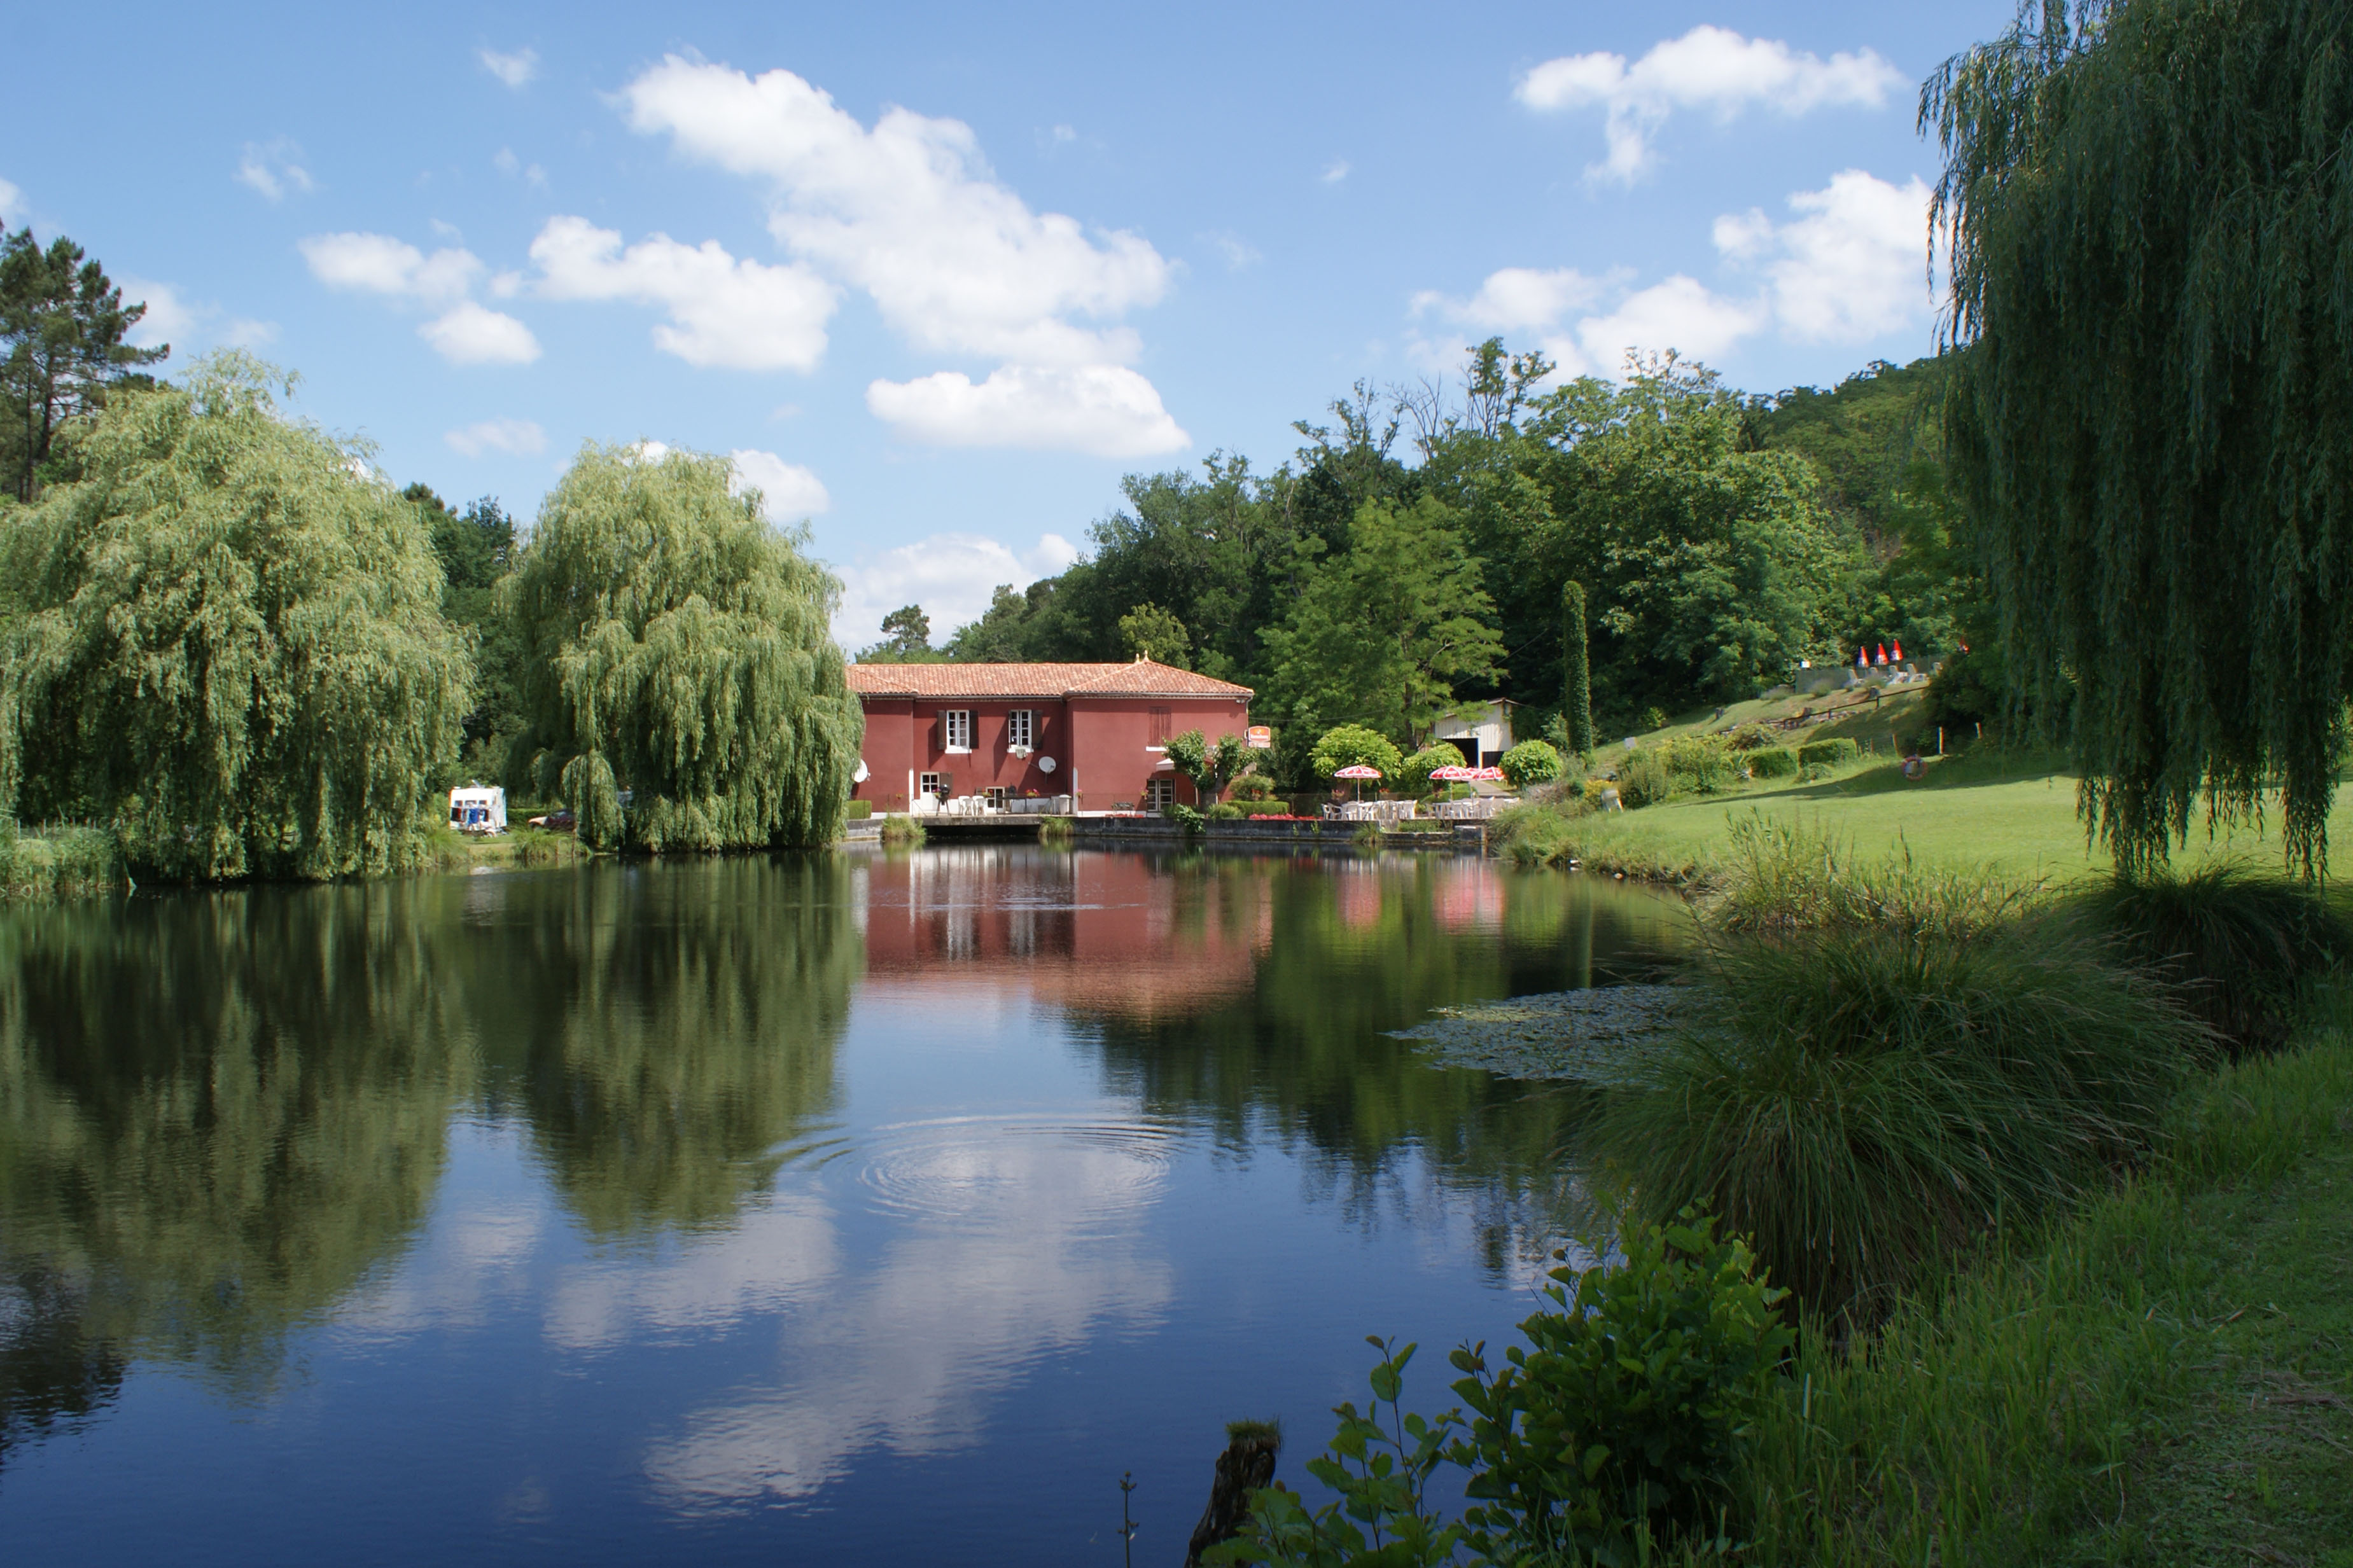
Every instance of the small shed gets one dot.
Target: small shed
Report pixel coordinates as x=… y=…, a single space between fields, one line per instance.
x=478 y=809
x=1482 y=732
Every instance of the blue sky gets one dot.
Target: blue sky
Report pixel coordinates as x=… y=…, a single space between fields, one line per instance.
x=940 y=275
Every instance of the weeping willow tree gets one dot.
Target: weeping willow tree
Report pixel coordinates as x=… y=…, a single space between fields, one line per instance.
x=224 y=639
x=2149 y=209
x=676 y=646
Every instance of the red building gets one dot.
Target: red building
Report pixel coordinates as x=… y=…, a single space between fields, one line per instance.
x=1097 y=732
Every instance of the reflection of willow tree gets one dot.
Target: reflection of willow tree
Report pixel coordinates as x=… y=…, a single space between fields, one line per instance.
x=217 y=1113
x=672 y=1029
x=1308 y=1057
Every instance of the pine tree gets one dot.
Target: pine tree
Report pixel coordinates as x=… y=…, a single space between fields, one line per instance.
x=62 y=322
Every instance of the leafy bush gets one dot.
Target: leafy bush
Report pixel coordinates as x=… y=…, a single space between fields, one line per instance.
x=1655 y=718
x=1413 y=776
x=1699 y=764
x=1352 y=744
x=1828 y=753
x=1644 y=779
x=1860 y=1102
x=2241 y=945
x=1773 y=763
x=1530 y=762
x=1224 y=811
x=1752 y=737
x=1626 y=1413
x=1266 y=807
x=1617 y=1426
x=1250 y=786
x=1186 y=817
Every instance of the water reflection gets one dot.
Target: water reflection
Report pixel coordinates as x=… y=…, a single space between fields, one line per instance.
x=743 y=1181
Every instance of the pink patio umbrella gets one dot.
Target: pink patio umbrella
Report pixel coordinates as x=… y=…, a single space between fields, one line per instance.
x=1487 y=776
x=1360 y=771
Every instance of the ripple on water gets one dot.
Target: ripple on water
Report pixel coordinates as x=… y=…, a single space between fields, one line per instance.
x=995 y=1170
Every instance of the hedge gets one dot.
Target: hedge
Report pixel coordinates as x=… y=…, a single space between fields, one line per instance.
x=1828 y=753
x=1772 y=763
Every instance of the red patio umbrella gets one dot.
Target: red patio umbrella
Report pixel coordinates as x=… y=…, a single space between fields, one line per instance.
x=1360 y=771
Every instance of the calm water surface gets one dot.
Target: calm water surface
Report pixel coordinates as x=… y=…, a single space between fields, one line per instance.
x=838 y=1209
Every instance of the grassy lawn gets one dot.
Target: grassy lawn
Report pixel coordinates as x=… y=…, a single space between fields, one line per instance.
x=2014 y=816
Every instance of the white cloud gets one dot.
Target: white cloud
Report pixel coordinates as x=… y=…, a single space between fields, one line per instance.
x=12 y=201
x=476 y=334
x=788 y=492
x=505 y=161
x=183 y=323
x=1240 y=253
x=516 y=437
x=515 y=70
x=270 y=168
x=1334 y=172
x=463 y=333
x=1847 y=269
x=911 y=213
x=1707 y=67
x=952 y=576
x=740 y=315
x=379 y=264
x=244 y=333
x=1679 y=313
x=1851 y=266
x=1106 y=410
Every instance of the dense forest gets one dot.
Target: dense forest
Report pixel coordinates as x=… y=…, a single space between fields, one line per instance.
x=1413 y=552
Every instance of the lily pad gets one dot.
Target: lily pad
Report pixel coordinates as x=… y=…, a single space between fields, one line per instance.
x=1604 y=1035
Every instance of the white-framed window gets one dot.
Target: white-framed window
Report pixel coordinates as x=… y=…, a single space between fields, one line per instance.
x=1159 y=794
x=935 y=784
x=995 y=794
x=955 y=729
x=1020 y=729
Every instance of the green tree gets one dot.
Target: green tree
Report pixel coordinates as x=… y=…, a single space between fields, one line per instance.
x=1212 y=765
x=1150 y=632
x=227 y=640
x=62 y=322
x=1381 y=635
x=1354 y=745
x=906 y=639
x=676 y=645
x=1576 y=683
x=477 y=549
x=2147 y=210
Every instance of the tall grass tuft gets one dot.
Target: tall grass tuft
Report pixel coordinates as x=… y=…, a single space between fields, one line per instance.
x=1780 y=876
x=2241 y=943
x=1859 y=1102
x=59 y=862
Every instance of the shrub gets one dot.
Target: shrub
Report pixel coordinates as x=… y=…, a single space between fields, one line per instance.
x=1186 y=817
x=1224 y=811
x=903 y=830
x=1413 y=777
x=860 y=810
x=1772 y=763
x=1860 y=1102
x=1781 y=878
x=1699 y=764
x=1266 y=807
x=1644 y=779
x=1752 y=737
x=1655 y=718
x=1351 y=744
x=1250 y=786
x=1828 y=753
x=1645 y=1377
x=1530 y=762
x=2241 y=945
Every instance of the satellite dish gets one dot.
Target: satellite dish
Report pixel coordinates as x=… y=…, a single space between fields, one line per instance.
x=859 y=776
x=1045 y=764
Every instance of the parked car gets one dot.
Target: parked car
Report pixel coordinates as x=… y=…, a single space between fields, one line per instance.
x=555 y=821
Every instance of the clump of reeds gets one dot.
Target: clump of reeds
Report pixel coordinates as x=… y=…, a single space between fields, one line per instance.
x=1859 y=1102
x=59 y=862
x=1782 y=877
x=2240 y=944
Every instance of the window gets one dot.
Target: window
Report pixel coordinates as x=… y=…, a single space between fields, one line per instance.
x=955 y=730
x=1020 y=729
x=1156 y=731
x=1159 y=794
x=995 y=794
x=937 y=785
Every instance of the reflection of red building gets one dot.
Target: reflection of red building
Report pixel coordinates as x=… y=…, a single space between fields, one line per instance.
x=1094 y=731
x=1092 y=934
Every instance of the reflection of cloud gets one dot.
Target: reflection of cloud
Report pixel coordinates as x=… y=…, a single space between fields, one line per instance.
x=776 y=1257
x=1019 y=1245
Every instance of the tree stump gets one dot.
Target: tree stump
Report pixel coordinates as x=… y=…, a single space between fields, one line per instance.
x=1247 y=1465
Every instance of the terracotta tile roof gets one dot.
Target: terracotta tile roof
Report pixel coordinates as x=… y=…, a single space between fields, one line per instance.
x=1050 y=681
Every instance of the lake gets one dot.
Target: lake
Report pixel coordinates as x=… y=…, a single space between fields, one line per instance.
x=843 y=1209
